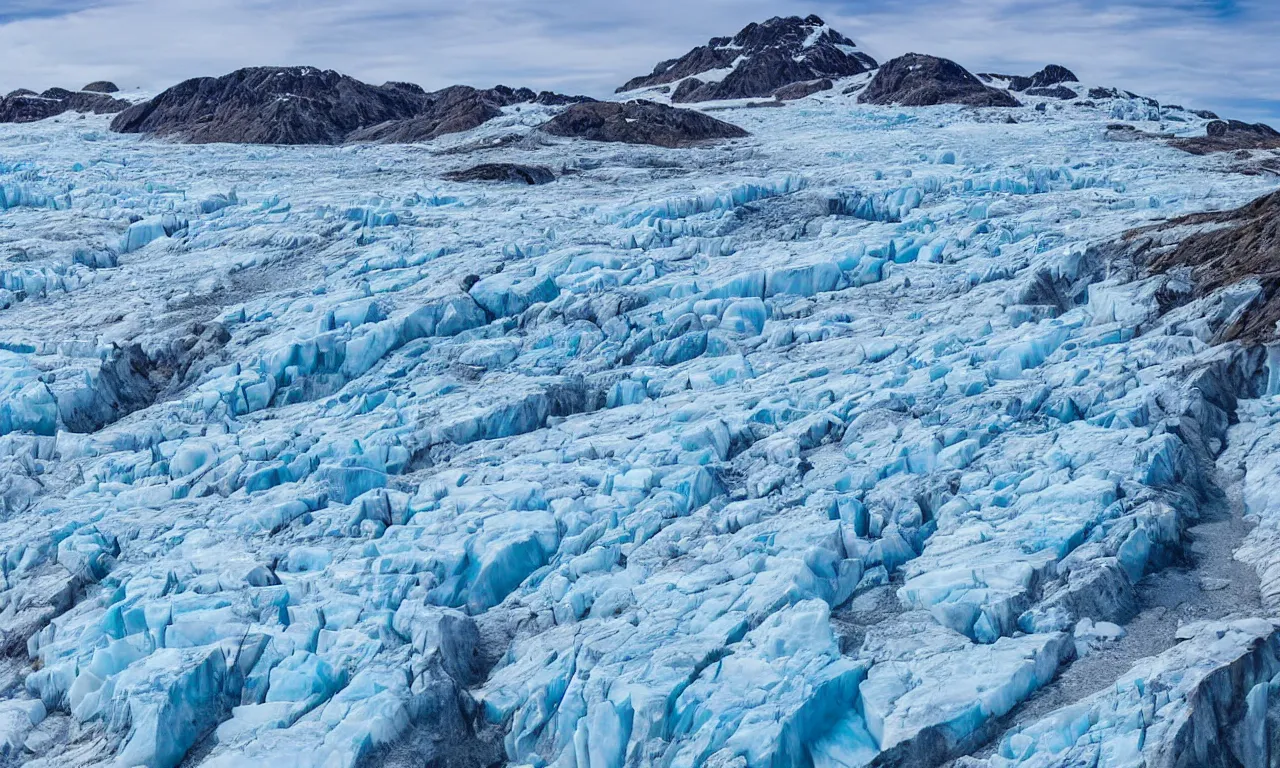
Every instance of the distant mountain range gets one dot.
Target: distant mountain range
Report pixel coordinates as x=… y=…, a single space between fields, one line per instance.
x=768 y=63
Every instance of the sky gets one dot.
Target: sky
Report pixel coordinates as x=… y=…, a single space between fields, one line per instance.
x=1206 y=54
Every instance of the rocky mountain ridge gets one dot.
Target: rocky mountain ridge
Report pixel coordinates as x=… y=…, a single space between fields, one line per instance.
x=304 y=105
x=26 y=106
x=757 y=62
x=779 y=60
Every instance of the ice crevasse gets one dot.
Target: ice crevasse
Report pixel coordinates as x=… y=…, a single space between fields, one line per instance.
x=761 y=454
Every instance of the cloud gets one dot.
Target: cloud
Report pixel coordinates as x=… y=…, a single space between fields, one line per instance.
x=1215 y=54
x=16 y=10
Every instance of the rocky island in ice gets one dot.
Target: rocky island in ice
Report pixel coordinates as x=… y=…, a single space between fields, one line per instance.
x=837 y=434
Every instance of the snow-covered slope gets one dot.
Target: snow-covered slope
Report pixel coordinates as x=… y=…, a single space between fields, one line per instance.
x=855 y=441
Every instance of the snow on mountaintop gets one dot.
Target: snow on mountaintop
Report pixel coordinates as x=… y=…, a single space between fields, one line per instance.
x=756 y=62
x=1051 y=75
x=841 y=443
x=24 y=106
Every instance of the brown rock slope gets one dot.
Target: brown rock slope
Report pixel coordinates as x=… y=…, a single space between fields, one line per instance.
x=1221 y=250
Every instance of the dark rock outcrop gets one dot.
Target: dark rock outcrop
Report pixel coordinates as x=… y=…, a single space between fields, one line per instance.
x=1230 y=136
x=450 y=110
x=1046 y=78
x=917 y=80
x=453 y=110
x=269 y=105
x=1056 y=92
x=801 y=90
x=763 y=58
x=508 y=172
x=24 y=106
x=1259 y=166
x=101 y=86
x=1125 y=132
x=685 y=89
x=552 y=99
x=639 y=122
x=305 y=105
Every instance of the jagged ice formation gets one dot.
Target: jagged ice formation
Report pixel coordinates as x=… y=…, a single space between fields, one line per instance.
x=858 y=440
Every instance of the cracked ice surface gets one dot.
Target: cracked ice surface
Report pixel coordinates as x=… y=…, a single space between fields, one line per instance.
x=281 y=486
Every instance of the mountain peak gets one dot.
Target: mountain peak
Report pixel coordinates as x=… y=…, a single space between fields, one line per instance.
x=27 y=106
x=761 y=58
x=918 y=80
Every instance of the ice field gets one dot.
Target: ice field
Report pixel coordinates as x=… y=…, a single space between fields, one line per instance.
x=853 y=442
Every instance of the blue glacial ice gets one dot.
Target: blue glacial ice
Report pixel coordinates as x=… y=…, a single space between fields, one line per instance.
x=794 y=457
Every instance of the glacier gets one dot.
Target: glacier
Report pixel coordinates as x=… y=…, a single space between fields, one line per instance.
x=849 y=443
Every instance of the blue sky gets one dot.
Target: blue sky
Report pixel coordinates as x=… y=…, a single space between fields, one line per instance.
x=1213 y=54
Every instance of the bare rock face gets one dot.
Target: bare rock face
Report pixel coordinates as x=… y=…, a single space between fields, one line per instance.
x=305 y=105
x=506 y=172
x=453 y=110
x=1230 y=136
x=24 y=106
x=917 y=80
x=639 y=122
x=1224 y=249
x=1056 y=92
x=759 y=60
x=801 y=90
x=269 y=105
x=1046 y=78
x=101 y=86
